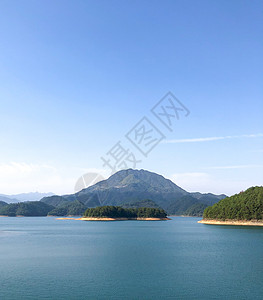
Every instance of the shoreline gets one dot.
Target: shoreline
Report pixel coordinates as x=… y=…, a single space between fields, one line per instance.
x=113 y=219
x=185 y=216
x=232 y=222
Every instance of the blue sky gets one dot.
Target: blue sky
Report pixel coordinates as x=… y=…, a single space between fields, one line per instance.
x=76 y=76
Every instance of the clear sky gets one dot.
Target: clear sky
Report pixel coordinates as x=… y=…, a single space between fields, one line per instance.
x=77 y=76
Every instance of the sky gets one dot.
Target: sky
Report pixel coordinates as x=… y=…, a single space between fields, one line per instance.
x=173 y=87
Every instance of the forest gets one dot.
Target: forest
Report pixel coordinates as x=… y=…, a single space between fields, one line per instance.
x=120 y=212
x=246 y=205
x=27 y=209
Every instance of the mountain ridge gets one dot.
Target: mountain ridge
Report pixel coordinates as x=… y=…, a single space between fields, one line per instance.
x=127 y=186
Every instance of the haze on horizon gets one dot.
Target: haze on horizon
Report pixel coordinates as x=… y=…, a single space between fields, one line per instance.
x=77 y=77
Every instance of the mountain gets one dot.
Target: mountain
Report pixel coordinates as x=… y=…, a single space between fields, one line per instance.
x=246 y=205
x=208 y=198
x=142 y=203
x=35 y=196
x=33 y=208
x=130 y=186
x=7 y=199
x=55 y=200
x=182 y=204
x=196 y=210
x=75 y=208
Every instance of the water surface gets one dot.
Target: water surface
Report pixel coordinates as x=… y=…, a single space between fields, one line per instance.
x=45 y=258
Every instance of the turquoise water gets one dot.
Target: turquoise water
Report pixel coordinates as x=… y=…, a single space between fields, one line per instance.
x=45 y=258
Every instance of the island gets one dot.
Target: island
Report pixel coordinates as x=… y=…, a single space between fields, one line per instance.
x=117 y=213
x=245 y=208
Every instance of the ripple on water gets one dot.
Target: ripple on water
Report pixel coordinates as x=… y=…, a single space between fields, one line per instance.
x=4 y=233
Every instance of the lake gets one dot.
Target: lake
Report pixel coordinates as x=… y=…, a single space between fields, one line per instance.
x=45 y=258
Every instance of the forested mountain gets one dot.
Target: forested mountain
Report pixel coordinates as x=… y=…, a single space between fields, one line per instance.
x=130 y=186
x=246 y=205
x=196 y=210
x=208 y=198
x=127 y=188
x=142 y=203
x=75 y=208
x=2 y=204
x=55 y=200
x=181 y=205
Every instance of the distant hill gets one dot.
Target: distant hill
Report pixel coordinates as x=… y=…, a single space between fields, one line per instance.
x=130 y=186
x=196 y=210
x=208 y=198
x=7 y=199
x=35 y=196
x=33 y=208
x=246 y=205
x=187 y=205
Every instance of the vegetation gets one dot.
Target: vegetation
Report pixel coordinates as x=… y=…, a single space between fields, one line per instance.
x=196 y=210
x=54 y=200
x=210 y=199
x=246 y=205
x=75 y=208
x=187 y=206
x=141 y=203
x=2 y=204
x=120 y=212
x=180 y=206
x=29 y=209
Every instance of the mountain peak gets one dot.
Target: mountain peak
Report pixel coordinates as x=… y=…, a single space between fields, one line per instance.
x=129 y=186
x=142 y=178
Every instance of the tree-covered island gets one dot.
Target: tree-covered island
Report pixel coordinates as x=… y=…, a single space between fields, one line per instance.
x=120 y=213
